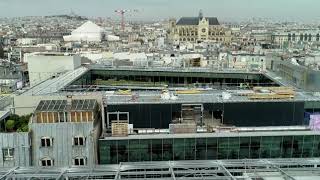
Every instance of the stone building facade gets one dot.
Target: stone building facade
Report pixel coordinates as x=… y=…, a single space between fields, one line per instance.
x=198 y=29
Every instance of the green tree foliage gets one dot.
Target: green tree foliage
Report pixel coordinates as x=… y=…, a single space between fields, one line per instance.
x=19 y=123
x=10 y=125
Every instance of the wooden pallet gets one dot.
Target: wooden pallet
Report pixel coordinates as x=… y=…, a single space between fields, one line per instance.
x=119 y=129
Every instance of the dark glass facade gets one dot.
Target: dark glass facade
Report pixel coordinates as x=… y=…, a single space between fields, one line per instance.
x=248 y=114
x=207 y=148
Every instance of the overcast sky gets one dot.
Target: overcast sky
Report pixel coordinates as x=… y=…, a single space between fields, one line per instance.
x=301 y=10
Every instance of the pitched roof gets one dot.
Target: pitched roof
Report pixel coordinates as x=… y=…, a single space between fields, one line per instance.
x=195 y=21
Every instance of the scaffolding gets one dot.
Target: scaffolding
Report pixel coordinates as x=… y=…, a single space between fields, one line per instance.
x=204 y=169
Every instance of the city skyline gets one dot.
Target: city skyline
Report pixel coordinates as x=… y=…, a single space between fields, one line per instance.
x=283 y=10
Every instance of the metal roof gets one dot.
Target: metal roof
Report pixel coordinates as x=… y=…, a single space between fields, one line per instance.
x=300 y=168
x=61 y=105
x=56 y=84
x=195 y=21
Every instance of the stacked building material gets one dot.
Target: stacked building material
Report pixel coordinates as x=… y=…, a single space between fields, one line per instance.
x=119 y=128
x=272 y=93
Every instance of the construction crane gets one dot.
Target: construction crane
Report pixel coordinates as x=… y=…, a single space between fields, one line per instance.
x=122 y=12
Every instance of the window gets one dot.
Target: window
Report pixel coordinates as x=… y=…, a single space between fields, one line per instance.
x=289 y=37
x=310 y=37
x=7 y=154
x=301 y=37
x=203 y=30
x=79 y=141
x=79 y=161
x=46 y=162
x=46 y=142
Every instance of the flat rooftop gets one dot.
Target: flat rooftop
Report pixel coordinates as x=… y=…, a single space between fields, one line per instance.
x=57 y=85
x=216 y=134
x=171 y=69
x=204 y=96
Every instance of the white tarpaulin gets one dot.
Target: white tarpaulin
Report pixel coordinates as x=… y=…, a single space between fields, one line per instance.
x=89 y=31
x=315 y=122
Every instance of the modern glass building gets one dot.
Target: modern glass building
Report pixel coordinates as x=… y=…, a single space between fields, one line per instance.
x=209 y=146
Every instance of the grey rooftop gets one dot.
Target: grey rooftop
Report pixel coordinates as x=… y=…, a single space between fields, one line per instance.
x=195 y=21
x=217 y=134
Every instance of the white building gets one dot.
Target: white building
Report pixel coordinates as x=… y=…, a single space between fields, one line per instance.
x=247 y=61
x=88 y=32
x=42 y=66
x=284 y=38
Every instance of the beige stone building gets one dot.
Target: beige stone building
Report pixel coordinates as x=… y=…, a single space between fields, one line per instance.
x=198 y=29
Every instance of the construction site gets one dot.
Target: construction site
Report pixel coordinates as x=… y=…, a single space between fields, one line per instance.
x=176 y=115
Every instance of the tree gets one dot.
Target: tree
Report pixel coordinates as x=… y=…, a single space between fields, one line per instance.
x=10 y=125
x=24 y=128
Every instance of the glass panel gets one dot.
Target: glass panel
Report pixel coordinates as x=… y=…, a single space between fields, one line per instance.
x=234 y=147
x=244 y=147
x=178 y=149
x=76 y=162
x=76 y=141
x=275 y=150
x=123 y=151
x=287 y=147
x=266 y=145
x=212 y=148
x=113 y=117
x=189 y=149
x=316 y=146
x=255 y=147
x=223 y=146
x=145 y=149
x=307 y=146
x=156 y=149
x=297 y=146
x=123 y=116
x=167 y=146
x=134 y=150
x=105 y=152
x=81 y=161
x=201 y=148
